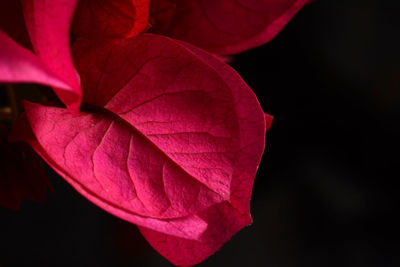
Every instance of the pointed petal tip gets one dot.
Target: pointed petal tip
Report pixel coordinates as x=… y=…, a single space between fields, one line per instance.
x=268 y=121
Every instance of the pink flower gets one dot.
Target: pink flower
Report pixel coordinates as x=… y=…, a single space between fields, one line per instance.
x=48 y=25
x=168 y=137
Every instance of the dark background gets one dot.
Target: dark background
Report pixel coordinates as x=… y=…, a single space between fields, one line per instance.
x=326 y=191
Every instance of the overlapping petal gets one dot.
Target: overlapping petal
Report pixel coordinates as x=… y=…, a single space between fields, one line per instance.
x=12 y=22
x=18 y=64
x=226 y=26
x=226 y=218
x=170 y=137
x=78 y=153
x=110 y=18
x=48 y=23
x=173 y=149
x=223 y=222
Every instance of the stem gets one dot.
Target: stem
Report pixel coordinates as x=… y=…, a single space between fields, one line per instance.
x=6 y=114
x=13 y=101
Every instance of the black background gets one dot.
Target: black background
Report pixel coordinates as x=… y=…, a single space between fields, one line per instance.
x=326 y=190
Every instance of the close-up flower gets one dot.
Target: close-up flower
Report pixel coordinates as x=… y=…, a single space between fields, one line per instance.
x=149 y=124
x=199 y=132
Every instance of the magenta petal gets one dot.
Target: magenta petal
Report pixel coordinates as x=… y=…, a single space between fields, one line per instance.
x=226 y=26
x=180 y=95
x=171 y=140
x=81 y=148
x=18 y=64
x=75 y=147
x=223 y=222
x=226 y=218
x=48 y=23
x=121 y=165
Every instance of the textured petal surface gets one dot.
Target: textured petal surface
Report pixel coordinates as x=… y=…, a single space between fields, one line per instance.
x=22 y=173
x=18 y=64
x=96 y=190
x=110 y=18
x=226 y=218
x=48 y=23
x=173 y=134
x=223 y=222
x=225 y=26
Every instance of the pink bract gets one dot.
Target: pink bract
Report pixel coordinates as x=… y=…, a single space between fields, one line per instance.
x=48 y=23
x=50 y=62
x=169 y=137
x=18 y=64
x=174 y=140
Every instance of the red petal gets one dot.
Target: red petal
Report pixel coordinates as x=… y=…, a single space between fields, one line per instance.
x=227 y=100
x=177 y=147
x=227 y=26
x=223 y=222
x=22 y=173
x=110 y=18
x=89 y=172
x=224 y=219
x=18 y=64
x=161 y=81
x=48 y=23
x=268 y=120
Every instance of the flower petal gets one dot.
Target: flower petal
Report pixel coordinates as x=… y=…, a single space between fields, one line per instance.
x=119 y=164
x=175 y=148
x=226 y=26
x=223 y=222
x=110 y=18
x=268 y=120
x=226 y=218
x=97 y=190
x=18 y=64
x=48 y=23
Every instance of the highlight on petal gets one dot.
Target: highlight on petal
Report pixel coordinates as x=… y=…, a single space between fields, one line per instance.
x=18 y=64
x=48 y=24
x=171 y=140
x=225 y=27
x=85 y=171
x=110 y=18
x=227 y=218
x=22 y=173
